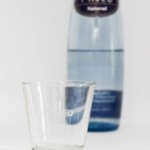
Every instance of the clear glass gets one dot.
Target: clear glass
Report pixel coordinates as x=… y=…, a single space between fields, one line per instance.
x=58 y=113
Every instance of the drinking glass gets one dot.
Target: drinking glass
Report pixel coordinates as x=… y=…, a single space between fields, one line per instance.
x=58 y=113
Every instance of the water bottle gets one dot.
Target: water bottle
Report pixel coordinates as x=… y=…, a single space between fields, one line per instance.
x=95 y=53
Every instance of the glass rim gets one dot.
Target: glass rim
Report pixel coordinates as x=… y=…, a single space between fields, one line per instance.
x=67 y=83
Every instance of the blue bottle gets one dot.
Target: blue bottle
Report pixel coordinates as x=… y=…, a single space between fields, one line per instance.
x=95 y=53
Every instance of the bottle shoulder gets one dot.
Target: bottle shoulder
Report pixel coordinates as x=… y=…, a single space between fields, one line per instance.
x=95 y=32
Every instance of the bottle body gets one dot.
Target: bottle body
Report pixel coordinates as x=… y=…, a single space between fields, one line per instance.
x=95 y=53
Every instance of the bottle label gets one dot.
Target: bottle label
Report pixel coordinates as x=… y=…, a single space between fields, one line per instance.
x=96 y=7
x=107 y=104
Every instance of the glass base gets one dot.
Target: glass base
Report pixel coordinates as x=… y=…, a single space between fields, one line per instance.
x=57 y=147
x=102 y=127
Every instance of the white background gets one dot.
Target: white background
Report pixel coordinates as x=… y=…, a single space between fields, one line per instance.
x=33 y=46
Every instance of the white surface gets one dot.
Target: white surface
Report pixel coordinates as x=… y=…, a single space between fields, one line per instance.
x=33 y=43
x=128 y=138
